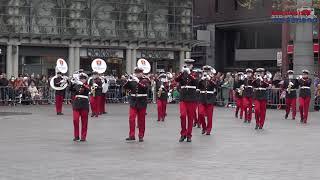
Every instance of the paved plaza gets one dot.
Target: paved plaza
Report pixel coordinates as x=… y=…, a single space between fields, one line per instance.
x=37 y=145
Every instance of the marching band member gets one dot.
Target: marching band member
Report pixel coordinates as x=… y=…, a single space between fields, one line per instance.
x=207 y=98
x=247 y=96
x=95 y=84
x=162 y=87
x=137 y=85
x=290 y=85
x=260 y=94
x=59 y=94
x=238 y=88
x=187 y=83
x=102 y=109
x=81 y=108
x=305 y=84
x=196 y=122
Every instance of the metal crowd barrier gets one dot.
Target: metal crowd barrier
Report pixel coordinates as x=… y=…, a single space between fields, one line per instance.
x=116 y=94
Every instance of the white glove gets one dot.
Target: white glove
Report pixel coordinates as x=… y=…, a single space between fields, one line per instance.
x=203 y=78
x=80 y=83
x=162 y=86
x=185 y=69
x=134 y=78
x=291 y=84
x=95 y=85
x=260 y=78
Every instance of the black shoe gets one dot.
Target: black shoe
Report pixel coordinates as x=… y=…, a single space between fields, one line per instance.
x=301 y=120
x=92 y=115
x=195 y=124
x=245 y=121
x=199 y=126
x=140 y=139
x=286 y=116
x=294 y=119
x=208 y=134
x=83 y=140
x=130 y=139
x=158 y=120
x=59 y=113
x=257 y=127
x=104 y=113
x=76 y=139
x=203 y=131
x=182 y=138
x=189 y=139
x=260 y=127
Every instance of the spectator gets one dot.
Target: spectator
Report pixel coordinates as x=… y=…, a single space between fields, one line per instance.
x=35 y=96
x=227 y=86
x=3 y=85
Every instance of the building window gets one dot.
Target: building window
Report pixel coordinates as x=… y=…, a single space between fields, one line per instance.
x=235 y=4
x=217 y=6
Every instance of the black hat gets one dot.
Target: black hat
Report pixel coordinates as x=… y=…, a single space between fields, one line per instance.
x=81 y=70
x=189 y=61
x=240 y=73
x=59 y=72
x=83 y=76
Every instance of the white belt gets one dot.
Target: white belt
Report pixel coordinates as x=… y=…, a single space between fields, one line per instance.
x=82 y=96
x=248 y=87
x=139 y=95
x=207 y=92
x=305 y=87
x=188 y=87
x=261 y=89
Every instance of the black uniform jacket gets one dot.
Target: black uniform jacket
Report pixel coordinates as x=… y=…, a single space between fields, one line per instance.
x=138 y=92
x=305 y=85
x=207 y=91
x=81 y=101
x=98 y=81
x=57 y=83
x=236 y=87
x=248 y=87
x=187 y=86
x=164 y=90
x=260 y=89
x=292 y=92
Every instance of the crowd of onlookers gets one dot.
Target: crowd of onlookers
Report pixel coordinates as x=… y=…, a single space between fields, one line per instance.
x=35 y=89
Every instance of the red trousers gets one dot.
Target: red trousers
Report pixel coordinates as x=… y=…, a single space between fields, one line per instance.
x=101 y=104
x=240 y=106
x=260 y=111
x=141 y=114
x=291 y=103
x=304 y=103
x=162 y=109
x=206 y=110
x=83 y=114
x=94 y=101
x=196 y=113
x=187 y=110
x=247 y=105
x=59 y=101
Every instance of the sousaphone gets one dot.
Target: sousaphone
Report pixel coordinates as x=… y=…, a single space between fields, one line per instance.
x=61 y=66
x=145 y=65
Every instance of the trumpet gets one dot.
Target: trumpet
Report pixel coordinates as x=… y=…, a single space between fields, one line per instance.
x=290 y=87
x=93 y=89
x=240 y=90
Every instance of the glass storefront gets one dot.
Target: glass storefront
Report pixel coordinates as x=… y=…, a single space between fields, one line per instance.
x=42 y=65
x=2 y=59
x=114 y=58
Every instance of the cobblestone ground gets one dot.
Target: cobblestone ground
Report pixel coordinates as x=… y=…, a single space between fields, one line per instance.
x=37 y=145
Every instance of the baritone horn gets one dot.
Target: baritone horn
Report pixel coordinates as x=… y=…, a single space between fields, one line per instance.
x=61 y=66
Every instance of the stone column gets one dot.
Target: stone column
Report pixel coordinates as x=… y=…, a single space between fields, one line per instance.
x=71 y=60
x=133 y=59
x=182 y=57
x=303 y=53
x=77 y=58
x=211 y=49
x=9 y=61
x=15 y=60
x=128 y=61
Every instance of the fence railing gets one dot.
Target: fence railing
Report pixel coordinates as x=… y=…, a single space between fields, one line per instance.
x=116 y=94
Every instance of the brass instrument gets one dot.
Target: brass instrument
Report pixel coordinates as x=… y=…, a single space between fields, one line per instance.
x=93 y=89
x=240 y=90
x=290 y=87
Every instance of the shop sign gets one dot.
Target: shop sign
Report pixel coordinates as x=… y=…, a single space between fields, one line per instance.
x=153 y=54
x=104 y=53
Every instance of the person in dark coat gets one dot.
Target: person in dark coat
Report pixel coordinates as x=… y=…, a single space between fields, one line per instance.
x=305 y=84
x=80 y=107
x=290 y=85
x=137 y=85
